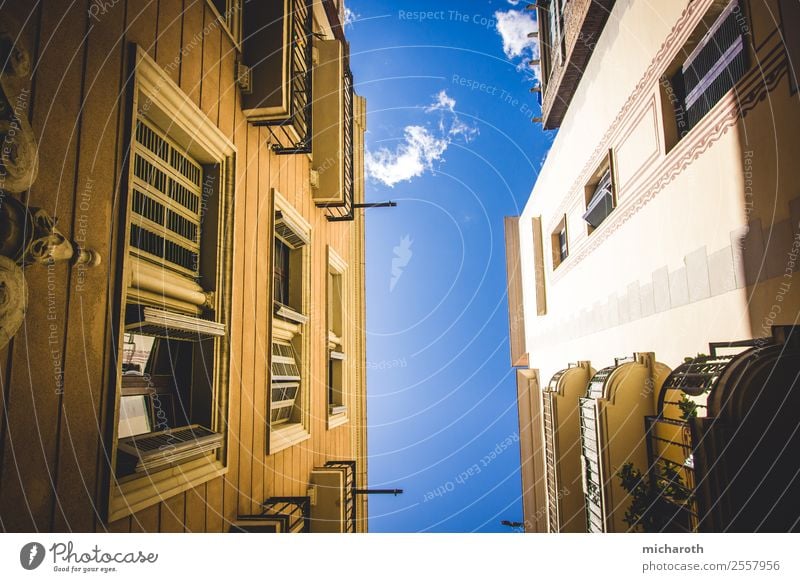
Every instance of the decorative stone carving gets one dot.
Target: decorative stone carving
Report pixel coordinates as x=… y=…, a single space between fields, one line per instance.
x=29 y=236
x=19 y=155
x=15 y=58
x=13 y=299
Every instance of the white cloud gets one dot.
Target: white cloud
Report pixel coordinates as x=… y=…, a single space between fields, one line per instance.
x=514 y=2
x=466 y=131
x=417 y=154
x=349 y=17
x=443 y=103
x=513 y=26
x=447 y=105
x=421 y=147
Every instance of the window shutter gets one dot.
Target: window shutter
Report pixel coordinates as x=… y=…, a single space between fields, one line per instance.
x=291 y=233
x=165 y=201
x=715 y=65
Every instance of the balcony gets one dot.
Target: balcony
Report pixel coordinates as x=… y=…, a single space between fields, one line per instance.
x=333 y=499
x=568 y=34
x=277 y=49
x=334 y=142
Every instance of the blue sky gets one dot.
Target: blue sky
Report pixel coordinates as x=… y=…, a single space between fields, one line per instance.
x=449 y=138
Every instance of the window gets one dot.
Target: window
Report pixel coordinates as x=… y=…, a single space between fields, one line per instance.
x=717 y=58
x=600 y=194
x=282 y=254
x=560 y=243
x=290 y=242
x=285 y=383
x=289 y=402
x=172 y=372
x=337 y=340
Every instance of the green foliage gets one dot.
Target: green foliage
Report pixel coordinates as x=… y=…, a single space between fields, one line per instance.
x=653 y=505
x=688 y=407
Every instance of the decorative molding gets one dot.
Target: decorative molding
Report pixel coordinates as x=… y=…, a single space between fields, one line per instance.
x=704 y=274
x=336 y=262
x=751 y=90
x=182 y=115
x=676 y=37
x=297 y=219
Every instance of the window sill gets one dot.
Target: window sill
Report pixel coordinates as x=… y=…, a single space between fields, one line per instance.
x=136 y=492
x=288 y=436
x=337 y=420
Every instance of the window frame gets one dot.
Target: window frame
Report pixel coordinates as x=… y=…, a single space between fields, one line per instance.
x=606 y=168
x=290 y=325
x=281 y=271
x=338 y=378
x=154 y=95
x=560 y=251
x=675 y=116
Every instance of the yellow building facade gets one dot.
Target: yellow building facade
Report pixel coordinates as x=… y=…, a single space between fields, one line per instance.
x=666 y=215
x=184 y=350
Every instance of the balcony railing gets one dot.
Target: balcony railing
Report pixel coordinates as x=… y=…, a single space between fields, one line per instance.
x=569 y=33
x=301 y=63
x=344 y=210
x=279 y=515
x=349 y=492
x=670 y=452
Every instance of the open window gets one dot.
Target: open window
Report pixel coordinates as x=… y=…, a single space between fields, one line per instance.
x=337 y=343
x=333 y=155
x=600 y=193
x=289 y=409
x=559 y=241
x=277 y=50
x=172 y=345
x=711 y=62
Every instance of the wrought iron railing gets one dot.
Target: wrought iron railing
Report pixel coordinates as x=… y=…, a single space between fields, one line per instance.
x=550 y=461
x=590 y=453
x=349 y=492
x=295 y=512
x=670 y=452
x=344 y=210
x=301 y=63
